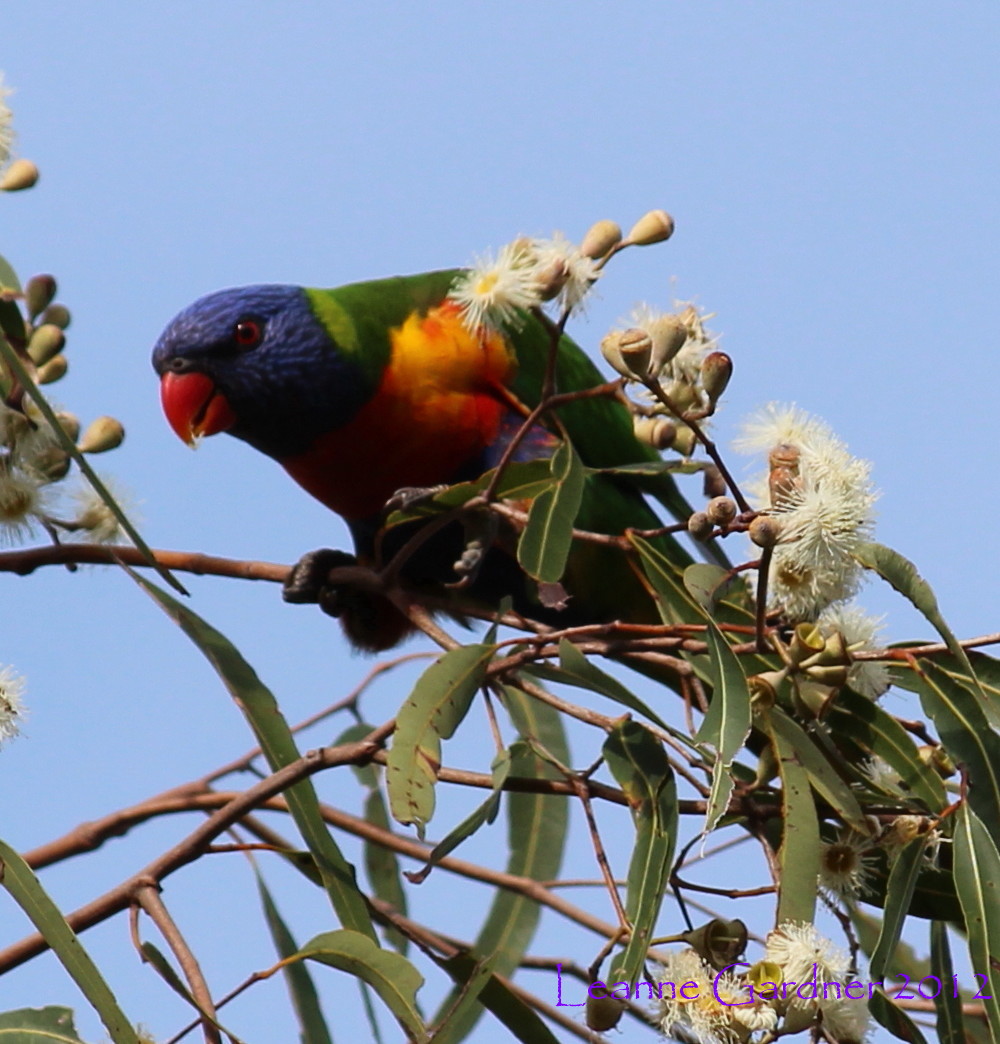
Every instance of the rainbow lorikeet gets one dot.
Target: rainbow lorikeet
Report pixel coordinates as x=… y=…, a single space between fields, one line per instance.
x=367 y=389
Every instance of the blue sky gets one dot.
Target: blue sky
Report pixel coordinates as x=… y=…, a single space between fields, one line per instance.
x=832 y=172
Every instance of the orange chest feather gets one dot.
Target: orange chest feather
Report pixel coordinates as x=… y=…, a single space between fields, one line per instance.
x=438 y=405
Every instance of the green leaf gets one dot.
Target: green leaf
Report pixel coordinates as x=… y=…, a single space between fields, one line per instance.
x=51 y=1025
x=977 y=880
x=277 y=743
x=902 y=881
x=880 y=735
x=26 y=890
x=11 y=320
x=675 y=603
x=727 y=723
x=439 y=701
x=477 y=983
x=893 y=1018
x=391 y=976
x=966 y=735
x=537 y=825
x=313 y=1028
x=902 y=574
x=707 y=583
x=382 y=867
x=485 y=813
x=950 y=1028
x=16 y=367
x=798 y=856
x=639 y=765
x=545 y=543
x=577 y=670
x=822 y=775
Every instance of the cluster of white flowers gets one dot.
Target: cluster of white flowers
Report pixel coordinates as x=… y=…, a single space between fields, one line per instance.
x=11 y=703
x=824 y=500
x=495 y=292
x=803 y=955
x=6 y=126
x=800 y=982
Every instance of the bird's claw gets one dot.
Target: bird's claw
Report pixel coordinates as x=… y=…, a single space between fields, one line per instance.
x=411 y=496
x=307 y=583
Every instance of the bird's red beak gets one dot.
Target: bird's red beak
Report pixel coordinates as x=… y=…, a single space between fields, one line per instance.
x=194 y=407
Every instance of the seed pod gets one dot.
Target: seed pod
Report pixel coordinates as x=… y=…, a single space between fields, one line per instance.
x=653 y=227
x=603 y=1013
x=602 y=237
x=21 y=174
x=807 y=641
x=46 y=341
x=102 y=435
x=718 y=942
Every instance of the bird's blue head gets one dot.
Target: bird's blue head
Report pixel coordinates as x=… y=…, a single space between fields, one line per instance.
x=255 y=361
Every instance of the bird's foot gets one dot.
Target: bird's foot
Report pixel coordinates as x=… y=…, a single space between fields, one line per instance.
x=307 y=584
x=369 y=619
x=411 y=496
x=480 y=534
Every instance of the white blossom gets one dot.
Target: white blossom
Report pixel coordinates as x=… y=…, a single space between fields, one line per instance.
x=860 y=631
x=11 y=703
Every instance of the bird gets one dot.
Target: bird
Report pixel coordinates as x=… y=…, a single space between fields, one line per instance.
x=377 y=387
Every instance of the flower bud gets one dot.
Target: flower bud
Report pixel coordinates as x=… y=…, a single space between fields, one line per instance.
x=102 y=435
x=69 y=423
x=653 y=227
x=46 y=341
x=713 y=484
x=658 y=432
x=765 y=531
x=721 y=510
x=21 y=174
x=602 y=237
x=783 y=475
x=668 y=333
x=39 y=293
x=551 y=279
x=700 y=526
x=56 y=314
x=52 y=462
x=628 y=352
x=684 y=441
x=603 y=1013
x=52 y=371
x=716 y=370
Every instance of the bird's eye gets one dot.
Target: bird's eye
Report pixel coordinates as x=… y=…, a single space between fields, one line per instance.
x=247 y=333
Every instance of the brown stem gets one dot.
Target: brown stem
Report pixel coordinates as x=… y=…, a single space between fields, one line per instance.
x=147 y=895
